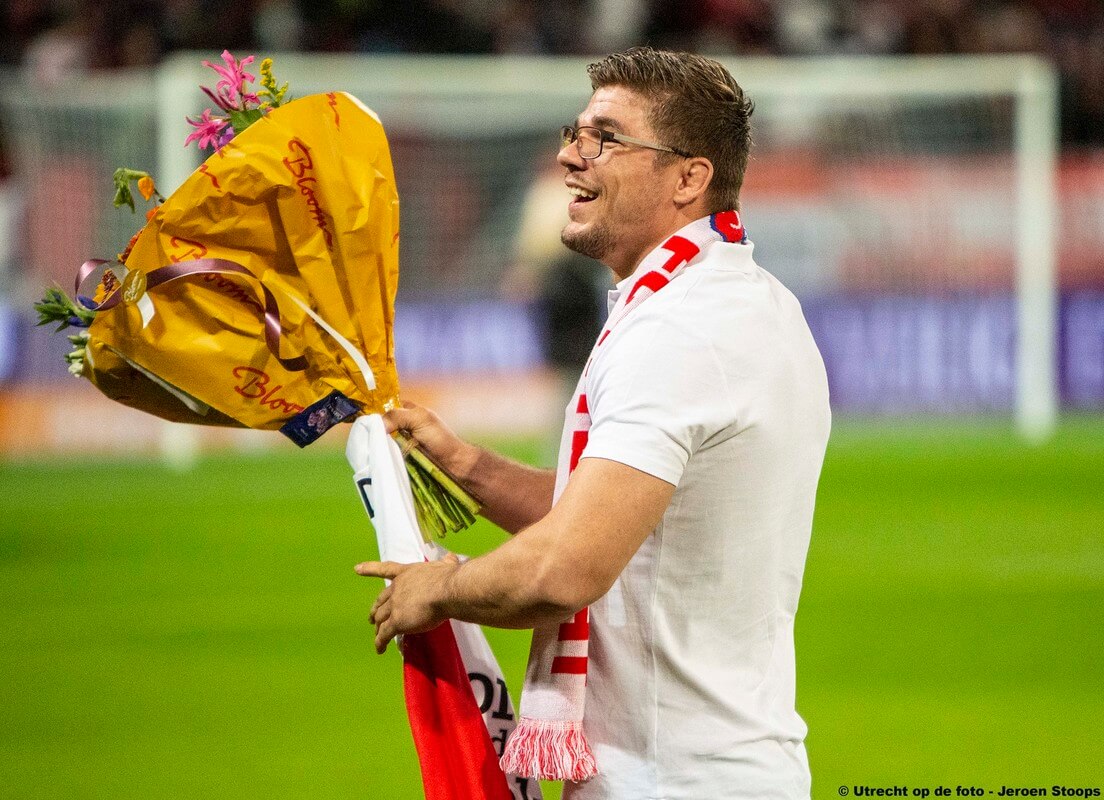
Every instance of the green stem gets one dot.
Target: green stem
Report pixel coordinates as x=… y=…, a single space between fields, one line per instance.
x=458 y=512
x=436 y=473
x=430 y=505
x=442 y=505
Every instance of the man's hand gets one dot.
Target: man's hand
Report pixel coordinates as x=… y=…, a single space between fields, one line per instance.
x=434 y=437
x=513 y=496
x=412 y=603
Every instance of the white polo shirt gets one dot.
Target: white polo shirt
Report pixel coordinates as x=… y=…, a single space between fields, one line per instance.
x=714 y=385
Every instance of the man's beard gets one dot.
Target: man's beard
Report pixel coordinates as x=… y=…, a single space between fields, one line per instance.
x=593 y=242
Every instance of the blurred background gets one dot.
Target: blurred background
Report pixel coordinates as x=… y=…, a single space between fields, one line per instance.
x=928 y=177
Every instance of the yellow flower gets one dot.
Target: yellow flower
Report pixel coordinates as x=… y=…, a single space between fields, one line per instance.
x=272 y=95
x=106 y=285
x=146 y=187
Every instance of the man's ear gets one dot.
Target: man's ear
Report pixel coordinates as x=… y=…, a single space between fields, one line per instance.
x=694 y=179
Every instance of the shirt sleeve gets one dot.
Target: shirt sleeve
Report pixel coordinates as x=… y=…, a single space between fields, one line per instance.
x=655 y=396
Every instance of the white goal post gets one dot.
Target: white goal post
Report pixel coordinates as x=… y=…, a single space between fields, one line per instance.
x=488 y=100
x=915 y=193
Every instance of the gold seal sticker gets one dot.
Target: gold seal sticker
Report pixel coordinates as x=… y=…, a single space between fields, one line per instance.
x=134 y=286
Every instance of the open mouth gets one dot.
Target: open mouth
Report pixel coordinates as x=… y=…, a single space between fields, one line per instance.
x=581 y=195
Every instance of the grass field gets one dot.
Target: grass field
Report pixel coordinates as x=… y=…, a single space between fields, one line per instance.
x=167 y=635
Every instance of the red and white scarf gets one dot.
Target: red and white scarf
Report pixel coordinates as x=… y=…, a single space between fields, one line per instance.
x=548 y=742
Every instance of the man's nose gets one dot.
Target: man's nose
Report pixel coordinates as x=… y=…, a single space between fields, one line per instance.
x=569 y=157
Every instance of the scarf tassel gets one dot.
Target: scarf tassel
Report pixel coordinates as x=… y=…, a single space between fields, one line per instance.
x=551 y=750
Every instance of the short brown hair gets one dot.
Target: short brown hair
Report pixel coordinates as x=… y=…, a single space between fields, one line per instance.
x=697 y=107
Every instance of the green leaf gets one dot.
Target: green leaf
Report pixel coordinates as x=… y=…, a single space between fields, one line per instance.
x=55 y=306
x=240 y=120
x=123 y=197
x=122 y=179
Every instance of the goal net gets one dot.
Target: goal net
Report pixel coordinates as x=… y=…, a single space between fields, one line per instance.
x=909 y=203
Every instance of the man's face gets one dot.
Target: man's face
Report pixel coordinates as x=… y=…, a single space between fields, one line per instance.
x=626 y=210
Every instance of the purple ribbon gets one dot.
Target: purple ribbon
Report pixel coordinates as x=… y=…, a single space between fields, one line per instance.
x=85 y=270
x=201 y=266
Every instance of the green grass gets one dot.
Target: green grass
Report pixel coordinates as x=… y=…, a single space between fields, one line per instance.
x=203 y=635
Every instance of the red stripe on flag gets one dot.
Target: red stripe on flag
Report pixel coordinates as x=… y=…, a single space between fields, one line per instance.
x=578 y=630
x=581 y=408
x=578 y=444
x=455 y=752
x=653 y=280
x=569 y=665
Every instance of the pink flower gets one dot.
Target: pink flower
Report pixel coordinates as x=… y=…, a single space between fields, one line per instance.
x=210 y=132
x=229 y=93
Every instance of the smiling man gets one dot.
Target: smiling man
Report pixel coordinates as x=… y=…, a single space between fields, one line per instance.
x=660 y=564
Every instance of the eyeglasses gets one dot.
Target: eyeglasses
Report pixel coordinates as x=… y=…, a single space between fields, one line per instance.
x=590 y=140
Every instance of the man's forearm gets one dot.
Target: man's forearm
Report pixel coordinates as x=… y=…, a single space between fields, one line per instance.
x=518 y=585
x=514 y=495
x=563 y=562
x=546 y=573
x=514 y=586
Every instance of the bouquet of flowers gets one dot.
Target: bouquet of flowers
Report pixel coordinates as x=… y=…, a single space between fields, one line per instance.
x=261 y=292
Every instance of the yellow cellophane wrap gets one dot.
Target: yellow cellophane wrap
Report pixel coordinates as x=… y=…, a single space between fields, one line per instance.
x=305 y=200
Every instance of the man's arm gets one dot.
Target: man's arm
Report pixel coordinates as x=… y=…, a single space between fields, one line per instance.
x=514 y=496
x=546 y=573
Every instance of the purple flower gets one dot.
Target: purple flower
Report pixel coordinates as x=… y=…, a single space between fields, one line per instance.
x=229 y=93
x=210 y=132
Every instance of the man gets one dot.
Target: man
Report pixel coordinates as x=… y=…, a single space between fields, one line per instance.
x=683 y=506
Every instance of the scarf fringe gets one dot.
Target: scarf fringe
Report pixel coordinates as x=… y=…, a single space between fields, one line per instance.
x=552 y=750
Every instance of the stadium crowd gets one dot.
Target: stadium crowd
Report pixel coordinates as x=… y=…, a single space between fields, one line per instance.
x=50 y=38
